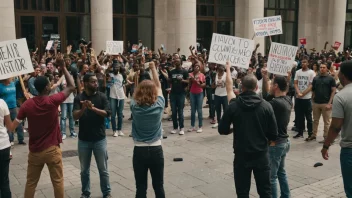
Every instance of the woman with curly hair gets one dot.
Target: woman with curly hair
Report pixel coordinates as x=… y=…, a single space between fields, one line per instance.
x=147 y=108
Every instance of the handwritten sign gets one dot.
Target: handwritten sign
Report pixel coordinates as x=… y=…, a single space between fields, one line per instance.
x=135 y=48
x=267 y=26
x=49 y=45
x=238 y=51
x=303 y=41
x=114 y=47
x=337 y=45
x=281 y=58
x=14 y=58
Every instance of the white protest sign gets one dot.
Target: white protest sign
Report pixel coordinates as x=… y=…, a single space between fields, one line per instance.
x=114 y=47
x=238 y=51
x=267 y=26
x=49 y=45
x=281 y=58
x=14 y=58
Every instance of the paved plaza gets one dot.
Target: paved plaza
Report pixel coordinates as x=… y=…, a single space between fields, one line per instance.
x=205 y=172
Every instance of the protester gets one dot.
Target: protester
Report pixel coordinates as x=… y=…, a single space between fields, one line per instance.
x=278 y=149
x=147 y=108
x=91 y=107
x=178 y=79
x=303 y=86
x=44 y=132
x=252 y=135
x=220 y=98
x=5 y=147
x=323 y=89
x=342 y=121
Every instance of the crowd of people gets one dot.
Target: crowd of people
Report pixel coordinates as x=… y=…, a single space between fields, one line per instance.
x=90 y=90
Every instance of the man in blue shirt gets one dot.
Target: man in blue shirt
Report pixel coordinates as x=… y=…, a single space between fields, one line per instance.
x=8 y=94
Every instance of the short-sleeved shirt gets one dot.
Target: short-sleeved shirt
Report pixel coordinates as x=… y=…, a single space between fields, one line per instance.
x=92 y=125
x=195 y=88
x=116 y=89
x=43 y=123
x=304 y=78
x=220 y=89
x=146 y=124
x=8 y=93
x=342 y=108
x=178 y=87
x=4 y=137
x=321 y=87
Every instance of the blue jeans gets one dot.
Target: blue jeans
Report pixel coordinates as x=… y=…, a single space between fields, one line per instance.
x=85 y=150
x=19 y=129
x=66 y=112
x=220 y=101
x=277 y=155
x=116 y=108
x=346 y=169
x=177 y=105
x=196 y=106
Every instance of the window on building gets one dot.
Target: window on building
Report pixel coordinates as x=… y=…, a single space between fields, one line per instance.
x=288 y=9
x=214 y=15
x=134 y=21
x=348 y=25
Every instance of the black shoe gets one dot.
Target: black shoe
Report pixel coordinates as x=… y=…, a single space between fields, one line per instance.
x=298 y=136
x=130 y=135
x=22 y=142
x=107 y=196
x=130 y=118
x=164 y=137
x=294 y=128
x=310 y=138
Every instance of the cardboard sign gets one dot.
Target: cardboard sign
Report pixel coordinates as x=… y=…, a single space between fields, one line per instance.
x=337 y=45
x=303 y=41
x=238 y=51
x=49 y=45
x=14 y=58
x=114 y=47
x=281 y=58
x=267 y=26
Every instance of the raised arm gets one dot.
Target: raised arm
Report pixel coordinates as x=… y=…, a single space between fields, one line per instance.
x=69 y=80
x=229 y=83
x=155 y=78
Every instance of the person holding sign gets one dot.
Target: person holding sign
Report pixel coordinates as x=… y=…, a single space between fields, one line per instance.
x=220 y=98
x=44 y=132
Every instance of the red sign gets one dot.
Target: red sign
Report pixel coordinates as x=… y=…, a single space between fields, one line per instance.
x=337 y=45
x=303 y=41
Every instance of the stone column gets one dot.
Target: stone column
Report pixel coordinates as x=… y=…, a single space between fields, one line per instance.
x=101 y=21
x=7 y=16
x=160 y=23
x=337 y=22
x=185 y=25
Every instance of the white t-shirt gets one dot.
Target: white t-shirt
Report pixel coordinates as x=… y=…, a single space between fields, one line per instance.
x=305 y=78
x=220 y=85
x=71 y=97
x=116 y=90
x=234 y=74
x=4 y=137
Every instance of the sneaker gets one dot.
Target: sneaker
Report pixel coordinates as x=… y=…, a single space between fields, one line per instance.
x=215 y=126
x=182 y=132
x=213 y=121
x=73 y=135
x=25 y=131
x=174 y=131
x=200 y=130
x=12 y=143
x=63 y=136
x=114 y=133
x=191 y=129
x=120 y=133
x=22 y=143
x=298 y=136
x=85 y=196
x=107 y=196
x=310 y=138
x=322 y=141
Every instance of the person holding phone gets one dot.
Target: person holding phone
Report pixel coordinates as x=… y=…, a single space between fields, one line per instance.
x=197 y=83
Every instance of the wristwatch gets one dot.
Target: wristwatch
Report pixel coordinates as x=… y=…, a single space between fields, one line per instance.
x=326 y=147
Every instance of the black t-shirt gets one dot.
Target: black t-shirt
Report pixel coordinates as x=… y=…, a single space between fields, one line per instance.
x=321 y=87
x=176 y=85
x=282 y=109
x=92 y=125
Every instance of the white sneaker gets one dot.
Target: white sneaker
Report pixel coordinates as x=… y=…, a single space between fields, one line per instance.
x=174 y=131
x=182 y=132
x=114 y=133
x=63 y=136
x=199 y=130
x=215 y=126
x=12 y=143
x=191 y=129
x=120 y=133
